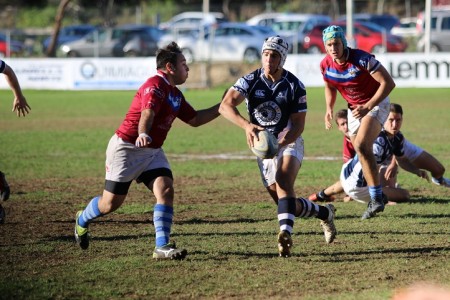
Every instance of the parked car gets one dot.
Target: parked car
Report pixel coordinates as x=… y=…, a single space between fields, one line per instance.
x=384 y=20
x=228 y=42
x=13 y=48
x=138 y=40
x=193 y=20
x=368 y=37
x=125 y=40
x=69 y=34
x=264 y=19
x=406 y=28
x=440 y=31
x=295 y=26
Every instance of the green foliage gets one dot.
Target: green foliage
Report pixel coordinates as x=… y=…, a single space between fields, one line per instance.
x=54 y=162
x=37 y=17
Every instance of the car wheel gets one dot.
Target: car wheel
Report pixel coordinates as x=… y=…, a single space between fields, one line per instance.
x=313 y=50
x=434 y=48
x=188 y=55
x=131 y=53
x=72 y=54
x=251 y=55
x=378 y=49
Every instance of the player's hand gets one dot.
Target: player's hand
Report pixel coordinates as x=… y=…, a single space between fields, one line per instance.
x=20 y=106
x=359 y=111
x=143 y=140
x=391 y=171
x=328 y=118
x=424 y=174
x=251 y=132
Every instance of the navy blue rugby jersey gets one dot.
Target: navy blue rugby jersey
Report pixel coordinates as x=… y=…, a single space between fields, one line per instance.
x=383 y=149
x=270 y=104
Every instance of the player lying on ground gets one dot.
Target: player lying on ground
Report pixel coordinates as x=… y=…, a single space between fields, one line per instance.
x=419 y=157
x=352 y=180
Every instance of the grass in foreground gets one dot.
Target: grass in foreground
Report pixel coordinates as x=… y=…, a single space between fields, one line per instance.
x=54 y=162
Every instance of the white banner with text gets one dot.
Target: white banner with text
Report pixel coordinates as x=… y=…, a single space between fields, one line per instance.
x=407 y=69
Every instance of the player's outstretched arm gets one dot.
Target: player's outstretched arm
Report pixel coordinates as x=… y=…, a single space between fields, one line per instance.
x=20 y=105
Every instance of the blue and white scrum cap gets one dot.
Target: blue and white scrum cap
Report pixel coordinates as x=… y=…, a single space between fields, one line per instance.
x=334 y=32
x=276 y=43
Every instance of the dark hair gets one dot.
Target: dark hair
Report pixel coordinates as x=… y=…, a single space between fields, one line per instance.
x=396 y=108
x=340 y=114
x=168 y=54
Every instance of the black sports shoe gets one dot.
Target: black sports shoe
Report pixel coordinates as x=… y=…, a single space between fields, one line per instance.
x=372 y=208
x=4 y=188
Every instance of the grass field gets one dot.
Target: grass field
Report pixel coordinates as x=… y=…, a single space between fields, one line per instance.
x=54 y=162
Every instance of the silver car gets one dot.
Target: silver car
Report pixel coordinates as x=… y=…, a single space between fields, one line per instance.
x=230 y=41
x=440 y=31
x=125 y=40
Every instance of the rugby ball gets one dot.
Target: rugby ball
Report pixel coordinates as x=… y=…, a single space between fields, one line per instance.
x=266 y=146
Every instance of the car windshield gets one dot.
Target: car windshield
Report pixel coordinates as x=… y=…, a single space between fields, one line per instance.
x=287 y=25
x=372 y=26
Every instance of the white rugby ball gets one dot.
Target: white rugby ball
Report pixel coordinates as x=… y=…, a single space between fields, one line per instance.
x=266 y=146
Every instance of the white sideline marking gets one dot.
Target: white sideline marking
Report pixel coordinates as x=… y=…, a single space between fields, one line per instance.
x=231 y=156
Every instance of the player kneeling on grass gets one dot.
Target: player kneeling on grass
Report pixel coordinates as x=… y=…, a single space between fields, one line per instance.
x=419 y=157
x=276 y=102
x=386 y=145
x=134 y=152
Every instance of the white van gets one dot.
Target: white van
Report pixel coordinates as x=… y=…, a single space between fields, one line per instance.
x=440 y=30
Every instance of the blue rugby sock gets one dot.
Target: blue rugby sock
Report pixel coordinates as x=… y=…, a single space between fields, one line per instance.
x=89 y=213
x=162 y=220
x=376 y=193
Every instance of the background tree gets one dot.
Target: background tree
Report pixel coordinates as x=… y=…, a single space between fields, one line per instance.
x=51 y=51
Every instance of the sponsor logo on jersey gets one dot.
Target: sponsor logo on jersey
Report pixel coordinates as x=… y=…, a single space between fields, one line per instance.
x=268 y=113
x=281 y=97
x=174 y=101
x=260 y=93
x=249 y=76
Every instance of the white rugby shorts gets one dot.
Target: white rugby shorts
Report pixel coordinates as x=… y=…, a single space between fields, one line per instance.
x=349 y=184
x=412 y=151
x=268 y=167
x=379 y=112
x=125 y=162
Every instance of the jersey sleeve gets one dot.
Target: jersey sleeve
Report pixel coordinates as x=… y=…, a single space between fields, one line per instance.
x=300 y=98
x=2 y=66
x=153 y=97
x=244 y=83
x=367 y=61
x=399 y=145
x=348 y=151
x=187 y=112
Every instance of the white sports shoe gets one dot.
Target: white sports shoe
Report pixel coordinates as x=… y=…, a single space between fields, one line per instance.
x=445 y=182
x=328 y=225
x=169 y=251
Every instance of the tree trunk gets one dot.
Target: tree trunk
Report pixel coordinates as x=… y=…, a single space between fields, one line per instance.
x=51 y=50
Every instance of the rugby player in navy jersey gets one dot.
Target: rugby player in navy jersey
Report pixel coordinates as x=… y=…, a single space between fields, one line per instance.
x=276 y=101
